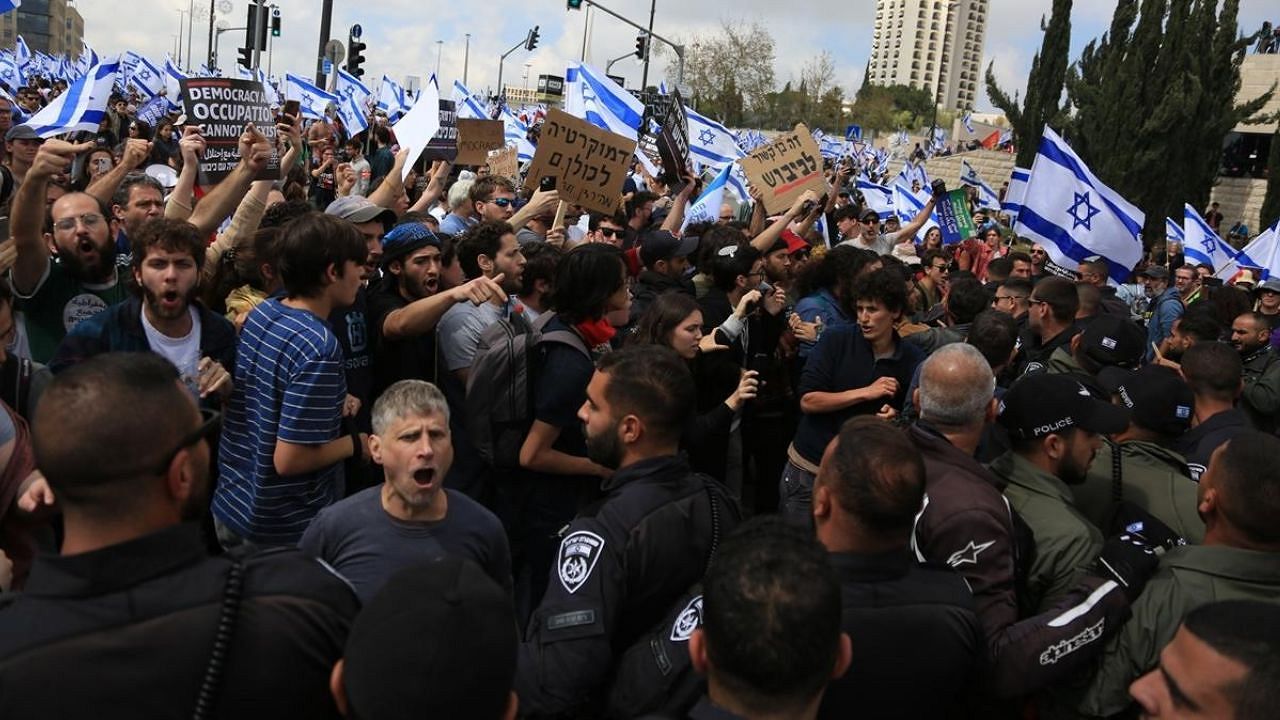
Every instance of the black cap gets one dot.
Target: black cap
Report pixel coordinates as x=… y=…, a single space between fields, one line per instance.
x=21 y=132
x=1114 y=341
x=869 y=214
x=1159 y=399
x=438 y=640
x=662 y=245
x=1042 y=404
x=1157 y=272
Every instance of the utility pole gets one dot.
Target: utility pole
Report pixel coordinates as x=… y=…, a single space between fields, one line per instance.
x=177 y=46
x=212 y=48
x=191 y=20
x=326 y=15
x=466 y=59
x=648 y=47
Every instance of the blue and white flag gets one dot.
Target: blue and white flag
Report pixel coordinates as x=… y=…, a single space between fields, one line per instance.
x=88 y=58
x=707 y=207
x=1174 y=230
x=1201 y=243
x=1017 y=191
x=312 y=101
x=876 y=197
x=7 y=5
x=987 y=197
x=516 y=134
x=391 y=98
x=738 y=184
x=1263 y=253
x=967 y=120
x=907 y=204
x=154 y=109
x=22 y=52
x=349 y=86
x=590 y=95
x=468 y=107
x=82 y=106
x=143 y=75
x=11 y=72
x=711 y=143
x=173 y=78
x=1070 y=212
x=353 y=115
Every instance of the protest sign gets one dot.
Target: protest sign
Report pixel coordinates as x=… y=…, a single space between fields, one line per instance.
x=673 y=143
x=589 y=164
x=954 y=219
x=222 y=107
x=504 y=163
x=444 y=145
x=416 y=128
x=783 y=169
x=476 y=138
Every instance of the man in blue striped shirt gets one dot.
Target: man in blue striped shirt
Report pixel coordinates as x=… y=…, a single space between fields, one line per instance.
x=283 y=442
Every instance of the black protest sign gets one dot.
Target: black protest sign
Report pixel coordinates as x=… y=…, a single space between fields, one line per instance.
x=589 y=164
x=673 y=143
x=444 y=144
x=221 y=107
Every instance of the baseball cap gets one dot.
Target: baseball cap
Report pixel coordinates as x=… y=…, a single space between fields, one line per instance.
x=21 y=132
x=794 y=242
x=438 y=640
x=357 y=209
x=662 y=245
x=870 y=215
x=1114 y=340
x=1042 y=404
x=405 y=239
x=1158 y=397
x=1270 y=285
x=1157 y=272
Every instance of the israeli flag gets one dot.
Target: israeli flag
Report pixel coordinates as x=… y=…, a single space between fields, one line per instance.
x=153 y=110
x=967 y=120
x=467 y=106
x=82 y=106
x=1201 y=244
x=349 y=86
x=353 y=115
x=876 y=197
x=148 y=79
x=1070 y=212
x=589 y=95
x=88 y=58
x=391 y=98
x=908 y=204
x=10 y=72
x=172 y=83
x=1017 y=191
x=1263 y=253
x=987 y=197
x=662 y=90
x=22 y=52
x=312 y=101
x=707 y=207
x=7 y=5
x=1174 y=230
x=711 y=143
x=738 y=184
x=516 y=134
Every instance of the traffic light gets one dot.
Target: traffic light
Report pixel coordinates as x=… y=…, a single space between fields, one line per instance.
x=355 y=55
x=275 y=22
x=574 y=5
x=642 y=45
x=246 y=58
x=531 y=41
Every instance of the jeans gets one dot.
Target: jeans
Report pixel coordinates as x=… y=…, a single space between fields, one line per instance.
x=795 y=491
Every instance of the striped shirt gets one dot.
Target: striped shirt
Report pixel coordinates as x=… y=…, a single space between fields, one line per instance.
x=288 y=386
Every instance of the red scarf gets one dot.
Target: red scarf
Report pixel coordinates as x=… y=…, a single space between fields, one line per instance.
x=596 y=332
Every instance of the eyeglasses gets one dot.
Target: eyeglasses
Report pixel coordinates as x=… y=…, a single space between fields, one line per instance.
x=1037 y=301
x=609 y=232
x=944 y=268
x=502 y=202
x=1010 y=298
x=90 y=221
x=210 y=421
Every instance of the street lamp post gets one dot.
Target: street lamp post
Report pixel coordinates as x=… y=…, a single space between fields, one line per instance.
x=177 y=45
x=466 y=59
x=439 y=47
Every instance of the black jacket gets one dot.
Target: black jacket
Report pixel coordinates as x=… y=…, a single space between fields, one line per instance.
x=126 y=632
x=617 y=573
x=649 y=285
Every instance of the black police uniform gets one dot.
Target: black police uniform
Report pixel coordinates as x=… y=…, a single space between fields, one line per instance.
x=617 y=573
x=127 y=631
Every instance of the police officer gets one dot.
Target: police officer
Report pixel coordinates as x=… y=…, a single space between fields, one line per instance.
x=1240 y=504
x=652 y=536
x=1137 y=469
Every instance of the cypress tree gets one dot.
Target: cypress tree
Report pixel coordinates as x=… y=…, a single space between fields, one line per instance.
x=1042 y=105
x=1271 y=201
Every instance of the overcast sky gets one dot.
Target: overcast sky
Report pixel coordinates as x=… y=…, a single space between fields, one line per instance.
x=403 y=34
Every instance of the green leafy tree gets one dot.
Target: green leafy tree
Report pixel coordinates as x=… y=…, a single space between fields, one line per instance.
x=1043 y=104
x=729 y=72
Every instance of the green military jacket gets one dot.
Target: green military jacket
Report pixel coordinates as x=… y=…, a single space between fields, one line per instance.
x=1261 y=396
x=1066 y=542
x=1152 y=477
x=1188 y=577
x=1061 y=362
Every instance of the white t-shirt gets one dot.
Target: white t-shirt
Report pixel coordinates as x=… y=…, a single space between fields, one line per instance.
x=183 y=352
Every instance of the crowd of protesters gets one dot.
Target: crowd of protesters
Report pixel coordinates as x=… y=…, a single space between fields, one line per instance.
x=363 y=443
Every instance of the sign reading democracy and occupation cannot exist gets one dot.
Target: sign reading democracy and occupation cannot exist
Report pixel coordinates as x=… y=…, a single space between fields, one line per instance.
x=222 y=107
x=785 y=168
x=673 y=143
x=589 y=164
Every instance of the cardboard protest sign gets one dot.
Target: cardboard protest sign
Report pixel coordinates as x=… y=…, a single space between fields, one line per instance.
x=954 y=219
x=673 y=143
x=504 y=163
x=476 y=138
x=222 y=107
x=589 y=164
x=444 y=145
x=785 y=168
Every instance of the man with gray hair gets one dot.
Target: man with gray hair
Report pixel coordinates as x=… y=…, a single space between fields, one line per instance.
x=461 y=210
x=967 y=524
x=411 y=517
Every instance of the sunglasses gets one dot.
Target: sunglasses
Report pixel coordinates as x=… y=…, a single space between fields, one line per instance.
x=610 y=232
x=503 y=202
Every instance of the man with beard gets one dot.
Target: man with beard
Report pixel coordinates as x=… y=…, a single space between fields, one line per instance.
x=621 y=567
x=167 y=319
x=126 y=452
x=1260 y=398
x=411 y=518
x=1055 y=427
x=78 y=279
